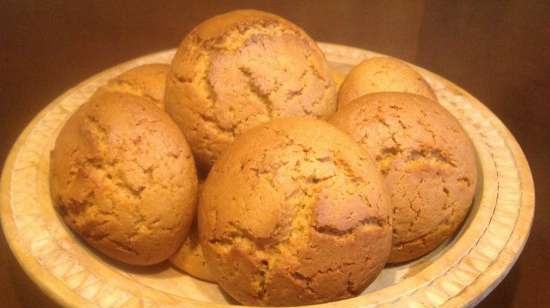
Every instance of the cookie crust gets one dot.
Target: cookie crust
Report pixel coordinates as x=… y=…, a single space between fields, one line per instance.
x=241 y=69
x=123 y=178
x=294 y=213
x=428 y=162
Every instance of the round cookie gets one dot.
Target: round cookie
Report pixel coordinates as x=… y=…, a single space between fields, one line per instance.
x=240 y=69
x=190 y=258
x=146 y=80
x=428 y=162
x=294 y=213
x=123 y=178
x=382 y=74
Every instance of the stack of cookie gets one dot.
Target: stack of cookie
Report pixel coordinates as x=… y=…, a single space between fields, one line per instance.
x=242 y=163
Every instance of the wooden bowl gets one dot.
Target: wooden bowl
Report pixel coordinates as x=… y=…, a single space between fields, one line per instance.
x=459 y=273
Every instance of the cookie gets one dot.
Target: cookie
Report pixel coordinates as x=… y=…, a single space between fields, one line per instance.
x=190 y=258
x=123 y=178
x=294 y=212
x=241 y=69
x=382 y=74
x=147 y=81
x=427 y=160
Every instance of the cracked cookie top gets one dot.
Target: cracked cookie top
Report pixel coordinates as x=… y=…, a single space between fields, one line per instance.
x=382 y=74
x=147 y=81
x=240 y=69
x=123 y=178
x=428 y=162
x=294 y=212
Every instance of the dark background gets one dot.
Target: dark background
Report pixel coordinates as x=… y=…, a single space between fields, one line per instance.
x=497 y=50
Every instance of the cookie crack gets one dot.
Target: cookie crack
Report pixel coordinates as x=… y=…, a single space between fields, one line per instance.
x=181 y=79
x=214 y=122
x=257 y=91
x=314 y=69
x=140 y=91
x=246 y=31
x=387 y=156
x=377 y=222
x=466 y=180
x=122 y=246
x=431 y=154
x=262 y=279
x=307 y=281
x=98 y=131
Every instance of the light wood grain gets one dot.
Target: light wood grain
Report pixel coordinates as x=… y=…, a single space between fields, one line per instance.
x=460 y=273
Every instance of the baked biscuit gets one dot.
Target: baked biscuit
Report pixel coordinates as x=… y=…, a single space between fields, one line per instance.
x=428 y=162
x=123 y=178
x=190 y=258
x=294 y=213
x=240 y=69
x=382 y=74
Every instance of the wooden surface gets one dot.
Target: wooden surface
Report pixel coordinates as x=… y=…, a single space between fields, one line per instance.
x=499 y=51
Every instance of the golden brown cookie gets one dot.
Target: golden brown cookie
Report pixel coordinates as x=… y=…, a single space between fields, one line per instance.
x=146 y=80
x=293 y=213
x=428 y=162
x=240 y=69
x=189 y=257
x=382 y=74
x=123 y=178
